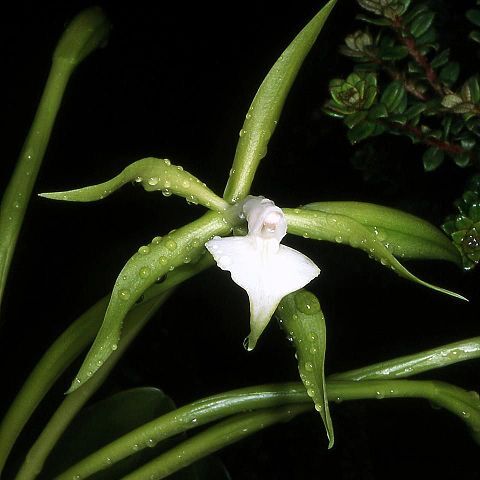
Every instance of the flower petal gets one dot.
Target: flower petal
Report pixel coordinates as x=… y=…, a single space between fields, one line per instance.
x=266 y=270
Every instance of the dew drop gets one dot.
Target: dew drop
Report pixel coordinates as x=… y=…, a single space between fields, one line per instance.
x=153 y=181
x=144 y=272
x=151 y=442
x=171 y=245
x=166 y=192
x=135 y=447
x=379 y=395
x=339 y=239
x=307 y=303
x=313 y=350
x=305 y=235
x=242 y=132
x=308 y=367
x=185 y=184
x=311 y=392
x=114 y=346
x=156 y=240
x=162 y=260
x=144 y=250
x=166 y=161
x=124 y=294
x=318 y=407
x=138 y=179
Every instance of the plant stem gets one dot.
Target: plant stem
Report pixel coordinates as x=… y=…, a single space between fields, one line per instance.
x=87 y=31
x=416 y=363
x=408 y=40
x=461 y=403
x=213 y=439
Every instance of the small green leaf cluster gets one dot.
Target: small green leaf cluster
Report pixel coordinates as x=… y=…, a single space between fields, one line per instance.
x=474 y=16
x=464 y=227
x=416 y=93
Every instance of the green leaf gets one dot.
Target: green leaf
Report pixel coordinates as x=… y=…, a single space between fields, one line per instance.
x=405 y=235
x=474 y=16
x=265 y=110
x=449 y=73
x=414 y=111
x=378 y=111
x=320 y=225
x=394 y=97
x=462 y=159
x=355 y=118
x=393 y=53
x=140 y=272
x=360 y=132
x=104 y=422
x=153 y=174
x=432 y=158
x=440 y=59
x=475 y=36
x=421 y=24
x=304 y=323
x=381 y=22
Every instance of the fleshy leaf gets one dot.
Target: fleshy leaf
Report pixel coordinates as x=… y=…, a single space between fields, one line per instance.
x=405 y=235
x=153 y=174
x=265 y=110
x=142 y=270
x=304 y=323
x=342 y=229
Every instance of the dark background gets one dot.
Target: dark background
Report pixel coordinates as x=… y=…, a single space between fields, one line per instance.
x=175 y=81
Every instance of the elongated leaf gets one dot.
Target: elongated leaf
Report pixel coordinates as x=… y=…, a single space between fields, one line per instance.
x=149 y=263
x=87 y=31
x=343 y=229
x=405 y=235
x=416 y=363
x=265 y=110
x=302 y=319
x=152 y=174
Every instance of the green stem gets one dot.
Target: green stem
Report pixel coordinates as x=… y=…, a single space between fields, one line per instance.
x=72 y=404
x=65 y=350
x=416 y=363
x=213 y=439
x=458 y=401
x=88 y=30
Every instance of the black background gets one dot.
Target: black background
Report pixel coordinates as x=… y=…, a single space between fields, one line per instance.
x=175 y=80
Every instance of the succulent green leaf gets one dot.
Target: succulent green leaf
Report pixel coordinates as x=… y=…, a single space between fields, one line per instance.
x=413 y=112
x=265 y=110
x=302 y=319
x=378 y=111
x=394 y=97
x=153 y=174
x=393 y=53
x=142 y=270
x=405 y=235
x=475 y=36
x=355 y=118
x=441 y=59
x=360 y=132
x=421 y=24
x=474 y=16
x=449 y=73
x=380 y=22
x=320 y=225
x=432 y=158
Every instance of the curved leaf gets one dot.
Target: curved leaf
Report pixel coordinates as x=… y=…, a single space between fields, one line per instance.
x=142 y=270
x=265 y=110
x=404 y=235
x=302 y=319
x=153 y=174
x=343 y=229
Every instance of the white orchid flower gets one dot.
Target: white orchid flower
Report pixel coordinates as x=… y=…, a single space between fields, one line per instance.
x=258 y=263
